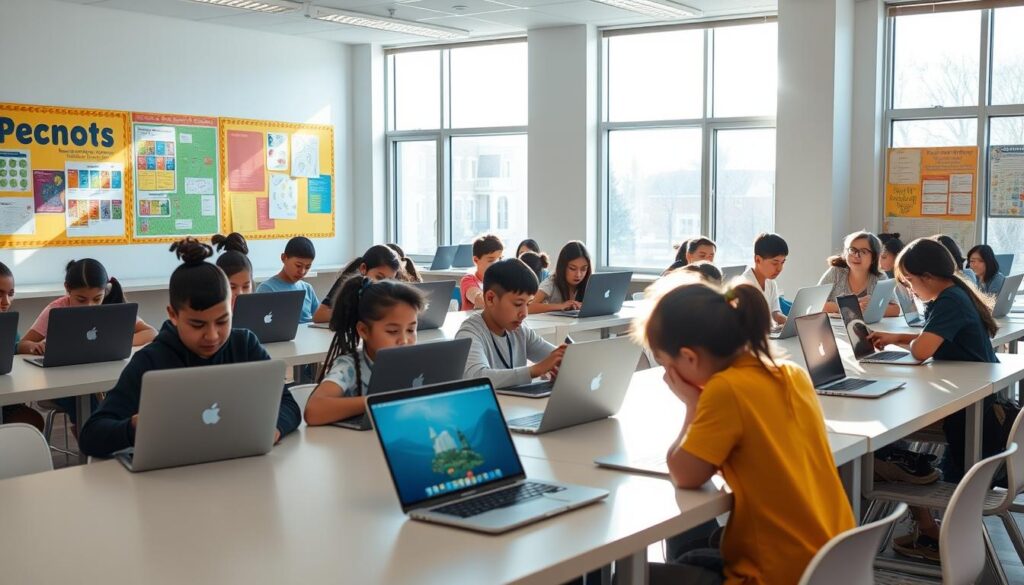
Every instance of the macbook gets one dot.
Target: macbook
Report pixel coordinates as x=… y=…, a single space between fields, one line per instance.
x=443 y=258
x=439 y=296
x=808 y=300
x=452 y=460
x=86 y=335
x=606 y=291
x=1005 y=262
x=880 y=298
x=731 y=272
x=858 y=332
x=825 y=366
x=908 y=307
x=206 y=413
x=1007 y=295
x=8 y=333
x=271 y=316
x=463 y=256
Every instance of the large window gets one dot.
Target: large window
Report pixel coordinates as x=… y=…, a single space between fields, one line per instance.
x=688 y=140
x=457 y=144
x=957 y=79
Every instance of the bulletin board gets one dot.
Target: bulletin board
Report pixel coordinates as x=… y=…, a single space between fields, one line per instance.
x=277 y=178
x=1006 y=181
x=64 y=176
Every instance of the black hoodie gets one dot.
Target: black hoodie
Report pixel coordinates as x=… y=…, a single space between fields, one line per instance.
x=109 y=429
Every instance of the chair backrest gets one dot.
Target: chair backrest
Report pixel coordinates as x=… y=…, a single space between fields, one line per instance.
x=301 y=394
x=1014 y=463
x=23 y=450
x=961 y=538
x=849 y=558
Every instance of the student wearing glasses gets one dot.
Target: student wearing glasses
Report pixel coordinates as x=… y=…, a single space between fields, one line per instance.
x=856 y=271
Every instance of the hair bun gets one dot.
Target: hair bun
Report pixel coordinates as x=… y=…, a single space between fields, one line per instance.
x=191 y=251
x=233 y=242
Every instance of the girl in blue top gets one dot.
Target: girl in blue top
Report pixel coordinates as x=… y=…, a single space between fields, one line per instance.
x=985 y=268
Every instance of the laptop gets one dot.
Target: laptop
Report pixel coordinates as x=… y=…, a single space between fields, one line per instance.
x=1005 y=262
x=443 y=258
x=650 y=464
x=439 y=296
x=880 y=298
x=205 y=413
x=271 y=316
x=86 y=335
x=8 y=333
x=808 y=300
x=908 y=307
x=818 y=343
x=591 y=385
x=452 y=460
x=858 y=332
x=412 y=366
x=463 y=256
x=605 y=293
x=1007 y=295
x=731 y=272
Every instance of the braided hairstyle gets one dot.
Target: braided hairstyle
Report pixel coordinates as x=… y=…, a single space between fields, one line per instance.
x=196 y=284
x=408 y=272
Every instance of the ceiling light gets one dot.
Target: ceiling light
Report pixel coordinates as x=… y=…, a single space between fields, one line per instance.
x=266 y=6
x=388 y=24
x=664 y=9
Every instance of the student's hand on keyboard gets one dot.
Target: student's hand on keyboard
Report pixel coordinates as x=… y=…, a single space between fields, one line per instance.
x=571 y=306
x=35 y=347
x=684 y=391
x=549 y=363
x=881 y=339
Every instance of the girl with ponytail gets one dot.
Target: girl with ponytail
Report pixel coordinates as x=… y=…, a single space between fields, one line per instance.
x=197 y=333
x=408 y=272
x=377 y=263
x=754 y=418
x=234 y=261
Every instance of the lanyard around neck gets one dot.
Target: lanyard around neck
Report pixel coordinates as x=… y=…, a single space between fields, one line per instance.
x=511 y=357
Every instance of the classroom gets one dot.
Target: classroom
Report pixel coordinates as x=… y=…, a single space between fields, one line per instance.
x=428 y=291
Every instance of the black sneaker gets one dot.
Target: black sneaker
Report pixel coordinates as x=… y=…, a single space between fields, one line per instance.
x=899 y=465
x=917 y=546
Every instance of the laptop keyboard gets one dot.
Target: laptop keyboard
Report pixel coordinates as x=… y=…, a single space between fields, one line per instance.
x=887 y=356
x=538 y=389
x=527 y=422
x=511 y=496
x=850 y=384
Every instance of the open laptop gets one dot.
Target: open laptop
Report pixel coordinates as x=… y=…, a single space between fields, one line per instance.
x=1005 y=262
x=731 y=272
x=591 y=385
x=824 y=364
x=439 y=296
x=880 y=298
x=908 y=307
x=206 y=413
x=443 y=257
x=271 y=316
x=858 y=332
x=412 y=366
x=8 y=333
x=463 y=256
x=605 y=293
x=452 y=460
x=808 y=300
x=86 y=335
x=1007 y=295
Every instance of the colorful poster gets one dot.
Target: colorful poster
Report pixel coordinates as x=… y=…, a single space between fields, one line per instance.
x=320 y=194
x=264 y=221
x=15 y=171
x=93 y=184
x=48 y=187
x=283 y=197
x=305 y=155
x=154 y=157
x=933 y=183
x=277 y=151
x=246 y=162
x=17 y=216
x=1006 y=181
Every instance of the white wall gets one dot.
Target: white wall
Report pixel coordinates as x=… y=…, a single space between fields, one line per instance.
x=866 y=145
x=66 y=54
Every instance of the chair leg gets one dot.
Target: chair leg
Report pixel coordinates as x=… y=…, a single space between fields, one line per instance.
x=994 y=566
x=1014 y=531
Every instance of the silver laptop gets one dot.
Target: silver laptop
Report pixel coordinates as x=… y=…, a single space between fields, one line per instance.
x=1007 y=295
x=8 y=333
x=824 y=364
x=452 y=460
x=808 y=300
x=273 y=317
x=605 y=293
x=439 y=297
x=591 y=385
x=412 y=366
x=879 y=301
x=86 y=335
x=463 y=257
x=908 y=307
x=443 y=258
x=858 y=332
x=1005 y=262
x=206 y=413
x=731 y=272
x=649 y=464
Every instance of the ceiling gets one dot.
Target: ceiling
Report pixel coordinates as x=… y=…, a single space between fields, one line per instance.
x=481 y=17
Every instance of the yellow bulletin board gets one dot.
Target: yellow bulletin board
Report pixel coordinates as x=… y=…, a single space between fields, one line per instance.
x=277 y=178
x=65 y=176
x=932 y=183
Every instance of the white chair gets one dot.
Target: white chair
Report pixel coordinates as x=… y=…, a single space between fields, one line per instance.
x=849 y=558
x=301 y=394
x=23 y=450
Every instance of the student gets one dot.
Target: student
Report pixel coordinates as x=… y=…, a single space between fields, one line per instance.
x=958 y=326
x=984 y=269
x=234 y=261
x=770 y=252
x=755 y=419
x=377 y=263
x=891 y=247
x=692 y=250
x=954 y=250
x=86 y=284
x=538 y=263
x=371 y=316
x=502 y=342
x=487 y=249
x=197 y=333
x=855 y=272
x=704 y=270
x=297 y=259
x=408 y=272
x=15 y=413
x=564 y=290
x=527 y=245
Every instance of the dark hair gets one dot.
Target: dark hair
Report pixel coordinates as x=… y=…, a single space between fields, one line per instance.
x=89 y=273
x=5 y=271
x=374 y=257
x=690 y=247
x=571 y=251
x=360 y=299
x=705 y=270
x=510 y=275
x=487 y=244
x=926 y=256
x=300 y=247
x=530 y=244
x=770 y=246
x=892 y=243
x=537 y=261
x=954 y=249
x=873 y=242
x=988 y=256
x=408 y=272
x=196 y=284
x=234 y=258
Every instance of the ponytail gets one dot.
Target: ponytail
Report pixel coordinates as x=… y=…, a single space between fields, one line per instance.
x=374 y=257
x=412 y=274
x=983 y=306
x=115 y=294
x=90 y=273
x=234 y=257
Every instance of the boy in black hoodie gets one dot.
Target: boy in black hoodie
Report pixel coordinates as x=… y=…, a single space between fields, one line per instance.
x=197 y=333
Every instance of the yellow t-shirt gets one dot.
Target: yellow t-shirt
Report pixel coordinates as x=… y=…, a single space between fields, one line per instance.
x=767 y=434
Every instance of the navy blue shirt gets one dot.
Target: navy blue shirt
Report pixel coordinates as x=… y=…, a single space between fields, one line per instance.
x=953 y=317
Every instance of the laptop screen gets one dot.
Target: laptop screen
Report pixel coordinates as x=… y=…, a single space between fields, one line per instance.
x=820 y=350
x=443 y=443
x=906 y=302
x=856 y=330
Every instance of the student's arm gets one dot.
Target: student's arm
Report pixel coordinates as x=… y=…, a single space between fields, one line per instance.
x=546 y=357
x=33 y=343
x=479 y=366
x=323 y=313
x=711 y=430
x=476 y=296
x=288 y=414
x=144 y=333
x=111 y=428
x=539 y=306
x=328 y=404
x=830 y=278
x=778 y=317
x=893 y=310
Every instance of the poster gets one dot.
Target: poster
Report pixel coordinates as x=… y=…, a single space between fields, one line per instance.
x=48 y=187
x=17 y=216
x=277 y=151
x=88 y=185
x=911 y=228
x=933 y=183
x=15 y=171
x=154 y=158
x=305 y=155
x=320 y=194
x=1006 y=181
x=264 y=220
x=246 y=163
x=283 y=197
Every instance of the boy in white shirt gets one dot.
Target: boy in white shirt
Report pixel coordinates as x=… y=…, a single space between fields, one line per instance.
x=770 y=252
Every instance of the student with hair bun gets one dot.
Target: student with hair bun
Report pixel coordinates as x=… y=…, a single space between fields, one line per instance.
x=408 y=272
x=234 y=261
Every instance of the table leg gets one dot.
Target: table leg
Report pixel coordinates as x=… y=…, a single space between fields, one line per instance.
x=632 y=570
x=84 y=405
x=850 y=475
x=972 y=444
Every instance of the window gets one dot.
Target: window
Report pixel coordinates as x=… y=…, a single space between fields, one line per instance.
x=457 y=144
x=679 y=164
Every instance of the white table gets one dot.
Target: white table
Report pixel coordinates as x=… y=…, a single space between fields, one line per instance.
x=568 y=325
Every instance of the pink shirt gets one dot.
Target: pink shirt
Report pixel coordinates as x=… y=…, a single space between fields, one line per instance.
x=469 y=281
x=42 y=322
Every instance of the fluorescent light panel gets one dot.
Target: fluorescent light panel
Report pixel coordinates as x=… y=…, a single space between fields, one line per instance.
x=389 y=24
x=663 y=9
x=265 y=6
